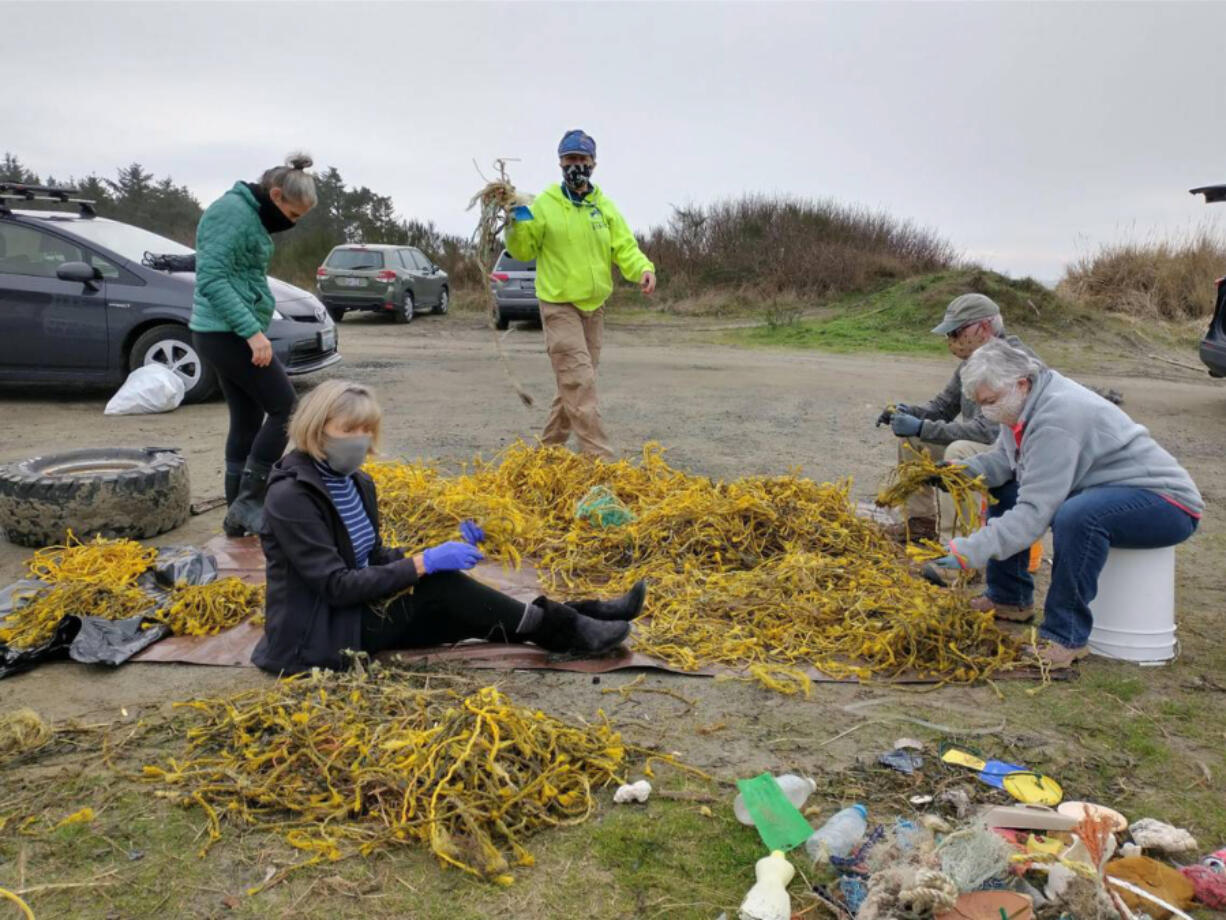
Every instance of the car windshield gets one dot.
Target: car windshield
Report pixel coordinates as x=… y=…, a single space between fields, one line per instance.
x=508 y=264
x=355 y=260
x=123 y=239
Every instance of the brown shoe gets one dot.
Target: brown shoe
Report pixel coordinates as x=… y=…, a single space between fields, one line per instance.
x=1054 y=655
x=912 y=531
x=1009 y=612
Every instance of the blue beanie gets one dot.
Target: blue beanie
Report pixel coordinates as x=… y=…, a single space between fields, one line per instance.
x=576 y=141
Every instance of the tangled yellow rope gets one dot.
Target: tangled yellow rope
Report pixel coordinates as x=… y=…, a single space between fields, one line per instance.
x=350 y=763
x=771 y=574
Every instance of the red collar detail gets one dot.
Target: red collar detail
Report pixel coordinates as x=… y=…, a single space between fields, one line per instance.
x=1017 y=433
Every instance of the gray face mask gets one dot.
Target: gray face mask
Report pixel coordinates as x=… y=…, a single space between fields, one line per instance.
x=346 y=455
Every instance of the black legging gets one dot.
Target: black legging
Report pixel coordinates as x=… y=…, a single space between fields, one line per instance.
x=260 y=399
x=442 y=609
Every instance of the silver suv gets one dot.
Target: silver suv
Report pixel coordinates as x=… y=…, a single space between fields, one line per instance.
x=399 y=280
x=514 y=286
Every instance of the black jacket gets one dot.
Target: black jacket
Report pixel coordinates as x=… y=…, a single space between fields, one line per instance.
x=316 y=593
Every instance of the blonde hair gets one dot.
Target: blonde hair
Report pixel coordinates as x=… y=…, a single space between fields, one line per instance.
x=353 y=405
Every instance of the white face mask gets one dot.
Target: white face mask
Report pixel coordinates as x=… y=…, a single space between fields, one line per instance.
x=1007 y=409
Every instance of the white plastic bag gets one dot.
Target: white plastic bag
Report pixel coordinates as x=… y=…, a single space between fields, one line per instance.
x=148 y=389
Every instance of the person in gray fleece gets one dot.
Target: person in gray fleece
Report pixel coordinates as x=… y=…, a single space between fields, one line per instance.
x=1069 y=459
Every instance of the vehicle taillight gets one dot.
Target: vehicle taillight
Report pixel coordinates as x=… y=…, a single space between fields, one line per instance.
x=499 y=276
x=321 y=272
x=386 y=275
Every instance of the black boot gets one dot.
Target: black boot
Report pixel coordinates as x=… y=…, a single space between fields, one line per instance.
x=246 y=514
x=626 y=607
x=233 y=480
x=558 y=628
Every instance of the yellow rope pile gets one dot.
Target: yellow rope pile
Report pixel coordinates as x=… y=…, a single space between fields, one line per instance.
x=99 y=579
x=771 y=574
x=918 y=472
x=354 y=762
x=206 y=610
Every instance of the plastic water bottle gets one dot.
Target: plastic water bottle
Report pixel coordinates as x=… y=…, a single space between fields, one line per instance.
x=839 y=835
x=796 y=789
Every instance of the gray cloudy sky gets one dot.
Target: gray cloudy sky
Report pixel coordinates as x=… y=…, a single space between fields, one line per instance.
x=1025 y=133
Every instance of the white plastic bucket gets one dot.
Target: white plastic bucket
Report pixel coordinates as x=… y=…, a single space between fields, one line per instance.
x=1134 y=612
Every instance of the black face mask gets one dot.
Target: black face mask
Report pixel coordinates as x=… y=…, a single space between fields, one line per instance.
x=272 y=217
x=576 y=176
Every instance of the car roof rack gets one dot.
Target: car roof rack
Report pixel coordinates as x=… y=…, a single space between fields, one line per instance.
x=19 y=191
x=1211 y=192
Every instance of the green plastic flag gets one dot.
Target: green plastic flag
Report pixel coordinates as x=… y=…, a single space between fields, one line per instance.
x=779 y=824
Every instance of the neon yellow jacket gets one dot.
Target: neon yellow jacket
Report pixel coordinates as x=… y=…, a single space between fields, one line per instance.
x=574 y=247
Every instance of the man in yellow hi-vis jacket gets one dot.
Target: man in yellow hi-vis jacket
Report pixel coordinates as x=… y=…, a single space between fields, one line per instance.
x=574 y=232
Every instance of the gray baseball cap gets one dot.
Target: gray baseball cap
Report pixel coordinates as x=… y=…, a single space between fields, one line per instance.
x=964 y=310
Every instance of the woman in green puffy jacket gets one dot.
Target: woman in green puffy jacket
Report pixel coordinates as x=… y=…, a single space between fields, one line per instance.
x=230 y=315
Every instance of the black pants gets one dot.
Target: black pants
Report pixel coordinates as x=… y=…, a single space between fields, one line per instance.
x=442 y=609
x=260 y=399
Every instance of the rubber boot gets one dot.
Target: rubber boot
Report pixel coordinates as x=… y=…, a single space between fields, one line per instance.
x=246 y=514
x=626 y=607
x=233 y=480
x=558 y=628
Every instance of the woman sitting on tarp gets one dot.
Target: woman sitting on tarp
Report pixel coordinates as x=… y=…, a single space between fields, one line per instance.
x=327 y=566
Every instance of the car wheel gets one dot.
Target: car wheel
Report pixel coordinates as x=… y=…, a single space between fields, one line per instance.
x=501 y=323
x=444 y=301
x=404 y=311
x=337 y=313
x=171 y=346
x=133 y=492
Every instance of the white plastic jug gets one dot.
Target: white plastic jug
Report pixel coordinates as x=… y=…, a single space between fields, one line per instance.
x=1134 y=612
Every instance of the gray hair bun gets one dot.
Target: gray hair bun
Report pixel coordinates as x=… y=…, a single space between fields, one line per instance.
x=299 y=160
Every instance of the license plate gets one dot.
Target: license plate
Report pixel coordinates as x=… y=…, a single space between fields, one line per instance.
x=327 y=340
x=351 y=282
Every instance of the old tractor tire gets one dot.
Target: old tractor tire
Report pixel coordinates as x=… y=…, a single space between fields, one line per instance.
x=113 y=491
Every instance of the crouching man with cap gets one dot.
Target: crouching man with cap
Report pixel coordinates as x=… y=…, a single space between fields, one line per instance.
x=1067 y=459
x=950 y=426
x=574 y=232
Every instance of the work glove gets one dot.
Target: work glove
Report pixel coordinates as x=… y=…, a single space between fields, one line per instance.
x=905 y=426
x=950 y=561
x=452 y=556
x=471 y=532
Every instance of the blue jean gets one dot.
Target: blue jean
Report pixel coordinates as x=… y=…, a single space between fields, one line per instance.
x=1087 y=525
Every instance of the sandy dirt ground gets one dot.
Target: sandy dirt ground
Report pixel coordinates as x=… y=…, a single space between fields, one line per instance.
x=721 y=410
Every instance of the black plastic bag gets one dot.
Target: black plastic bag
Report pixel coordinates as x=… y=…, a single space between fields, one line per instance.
x=112 y=642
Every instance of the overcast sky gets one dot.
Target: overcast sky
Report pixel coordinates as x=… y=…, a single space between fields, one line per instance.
x=1025 y=133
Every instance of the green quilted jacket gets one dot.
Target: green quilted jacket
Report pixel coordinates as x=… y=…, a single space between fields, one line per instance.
x=232 y=253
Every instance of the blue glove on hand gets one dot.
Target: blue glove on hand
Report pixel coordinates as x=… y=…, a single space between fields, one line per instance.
x=452 y=556
x=471 y=532
x=948 y=562
x=905 y=426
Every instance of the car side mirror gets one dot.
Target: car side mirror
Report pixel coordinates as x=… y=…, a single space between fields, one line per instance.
x=80 y=272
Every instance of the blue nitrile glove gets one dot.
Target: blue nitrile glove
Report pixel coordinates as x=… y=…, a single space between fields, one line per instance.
x=905 y=426
x=471 y=532
x=948 y=562
x=452 y=556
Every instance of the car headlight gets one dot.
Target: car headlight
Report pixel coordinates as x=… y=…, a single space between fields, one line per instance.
x=277 y=314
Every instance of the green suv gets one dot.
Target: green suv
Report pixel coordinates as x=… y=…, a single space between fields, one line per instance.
x=399 y=280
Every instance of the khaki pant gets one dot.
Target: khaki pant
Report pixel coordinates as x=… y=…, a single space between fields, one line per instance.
x=933 y=503
x=573 y=339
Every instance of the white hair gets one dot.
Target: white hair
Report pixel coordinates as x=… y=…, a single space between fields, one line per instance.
x=997 y=366
x=296 y=184
x=998 y=324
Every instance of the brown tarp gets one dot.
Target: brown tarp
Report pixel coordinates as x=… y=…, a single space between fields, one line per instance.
x=244 y=559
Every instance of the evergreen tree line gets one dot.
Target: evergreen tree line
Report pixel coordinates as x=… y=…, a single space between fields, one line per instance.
x=343 y=215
